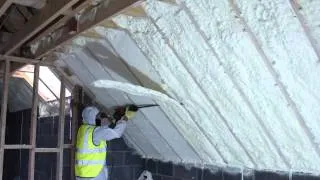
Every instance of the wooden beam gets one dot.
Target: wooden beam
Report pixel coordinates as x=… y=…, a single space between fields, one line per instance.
x=62 y=114
x=27 y=146
x=62 y=21
x=68 y=146
x=50 y=12
x=23 y=60
x=17 y=146
x=74 y=123
x=47 y=150
x=4 y=5
x=18 y=62
x=33 y=127
x=4 y=103
x=297 y=9
x=103 y=12
x=268 y=63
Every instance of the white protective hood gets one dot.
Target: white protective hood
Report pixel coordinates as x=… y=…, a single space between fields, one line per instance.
x=89 y=115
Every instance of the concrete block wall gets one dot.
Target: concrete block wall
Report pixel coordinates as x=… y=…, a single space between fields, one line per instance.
x=122 y=163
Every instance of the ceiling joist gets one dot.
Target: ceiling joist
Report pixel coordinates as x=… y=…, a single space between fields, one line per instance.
x=49 y=13
x=102 y=13
x=4 y=5
x=22 y=61
x=69 y=14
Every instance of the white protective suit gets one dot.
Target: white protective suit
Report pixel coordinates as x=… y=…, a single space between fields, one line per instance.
x=101 y=133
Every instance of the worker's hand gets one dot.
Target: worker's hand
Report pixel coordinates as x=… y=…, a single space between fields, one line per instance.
x=130 y=112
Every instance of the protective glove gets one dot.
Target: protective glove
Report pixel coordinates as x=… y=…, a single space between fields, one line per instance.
x=131 y=111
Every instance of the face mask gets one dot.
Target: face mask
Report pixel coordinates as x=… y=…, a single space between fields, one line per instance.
x=103 y=119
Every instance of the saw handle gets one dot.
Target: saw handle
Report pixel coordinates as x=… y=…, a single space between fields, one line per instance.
x=120 y=112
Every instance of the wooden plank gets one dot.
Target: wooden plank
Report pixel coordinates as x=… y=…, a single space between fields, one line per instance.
x=17 y=146
x=33 y=127
x=74 y=124
x=47 y=150
x=4 y=104
x=26 y=146
x=4 y=5
x=102 y=13
x=268 y=63
x=49 y=13
x=62 y=115
x=23 y=60
x=297 y=10
x=68 y=146
x=61 y=22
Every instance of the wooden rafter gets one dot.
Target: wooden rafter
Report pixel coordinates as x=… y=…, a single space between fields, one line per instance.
x=297 y=10
x=280 y=84
x=102 y=12
x=4 y=5
x=33 y=127
x=22 y=60
x=49 y=13
x=62 y=21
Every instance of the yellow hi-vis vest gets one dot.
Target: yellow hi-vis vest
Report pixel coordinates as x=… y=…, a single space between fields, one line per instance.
x=90 y=158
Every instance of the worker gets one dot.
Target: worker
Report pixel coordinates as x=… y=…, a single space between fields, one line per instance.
x=91 y=147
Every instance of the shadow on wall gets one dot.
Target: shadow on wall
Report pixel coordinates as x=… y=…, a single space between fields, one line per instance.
x=119 y=66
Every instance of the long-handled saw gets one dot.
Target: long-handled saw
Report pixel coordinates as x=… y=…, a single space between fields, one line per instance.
x=120 y=111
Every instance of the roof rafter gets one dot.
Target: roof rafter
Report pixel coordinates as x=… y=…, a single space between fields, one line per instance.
x=22 y=60
x=280 y=84
x=297 y=8
x=69 y=14
x=102 y=12
x=49 y=13
x=4 y=5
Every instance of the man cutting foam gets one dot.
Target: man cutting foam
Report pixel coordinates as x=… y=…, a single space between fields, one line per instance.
x=91 y=153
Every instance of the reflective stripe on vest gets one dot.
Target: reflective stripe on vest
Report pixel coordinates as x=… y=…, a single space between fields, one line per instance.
x=90 y=158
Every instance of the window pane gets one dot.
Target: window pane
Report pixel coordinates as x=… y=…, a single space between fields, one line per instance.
x=50 y=80
x=49 y=85
x=45 y=93
x=45 y=166
x=27 y=68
